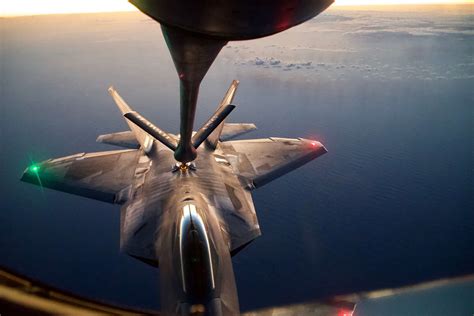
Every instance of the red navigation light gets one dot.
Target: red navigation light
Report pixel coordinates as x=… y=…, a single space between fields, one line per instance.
x=344 y=312
x=314 y=144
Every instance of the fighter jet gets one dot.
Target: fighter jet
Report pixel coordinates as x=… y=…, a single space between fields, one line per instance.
x=187 y=219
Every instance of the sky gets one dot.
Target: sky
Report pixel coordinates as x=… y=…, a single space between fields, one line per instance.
x=34 y=7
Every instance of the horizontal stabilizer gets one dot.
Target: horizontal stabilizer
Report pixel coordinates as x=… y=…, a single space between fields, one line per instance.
x=151 y=129
x=122 y=139
x=217 y=118
x=232 y=130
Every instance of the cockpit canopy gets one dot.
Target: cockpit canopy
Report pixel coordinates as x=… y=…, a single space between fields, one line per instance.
x=196 y=253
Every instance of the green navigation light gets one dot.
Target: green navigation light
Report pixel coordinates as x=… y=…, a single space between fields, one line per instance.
x=34 y=168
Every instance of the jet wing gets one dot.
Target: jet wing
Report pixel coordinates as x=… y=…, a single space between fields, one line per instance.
x=105 y=176
x=260 y=161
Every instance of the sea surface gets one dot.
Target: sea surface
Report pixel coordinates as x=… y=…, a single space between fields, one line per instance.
x=388 y=92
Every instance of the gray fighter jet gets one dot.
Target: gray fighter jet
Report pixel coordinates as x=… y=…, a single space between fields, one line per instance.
x=188 y=219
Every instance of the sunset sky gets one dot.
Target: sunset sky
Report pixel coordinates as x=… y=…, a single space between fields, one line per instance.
x=32 y=7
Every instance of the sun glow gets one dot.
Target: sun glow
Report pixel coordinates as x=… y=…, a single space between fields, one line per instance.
x=34 y=7
x=399 y=2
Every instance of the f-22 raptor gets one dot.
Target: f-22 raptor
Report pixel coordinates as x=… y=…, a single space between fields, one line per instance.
x=187 y=218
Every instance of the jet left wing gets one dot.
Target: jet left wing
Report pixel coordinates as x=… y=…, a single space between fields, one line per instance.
x=105 y=176
x=260 y=161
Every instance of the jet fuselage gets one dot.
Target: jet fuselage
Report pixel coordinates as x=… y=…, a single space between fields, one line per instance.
x=192 y=244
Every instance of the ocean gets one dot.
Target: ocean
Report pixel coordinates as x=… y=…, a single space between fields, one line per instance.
x=389 y=92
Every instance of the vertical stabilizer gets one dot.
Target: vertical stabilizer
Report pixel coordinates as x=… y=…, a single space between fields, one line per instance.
x=214 y=121
x=145 y=141
x=213 y=139
x=151 y=129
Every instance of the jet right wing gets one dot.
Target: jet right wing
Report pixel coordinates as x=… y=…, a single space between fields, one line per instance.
x=260 y=161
